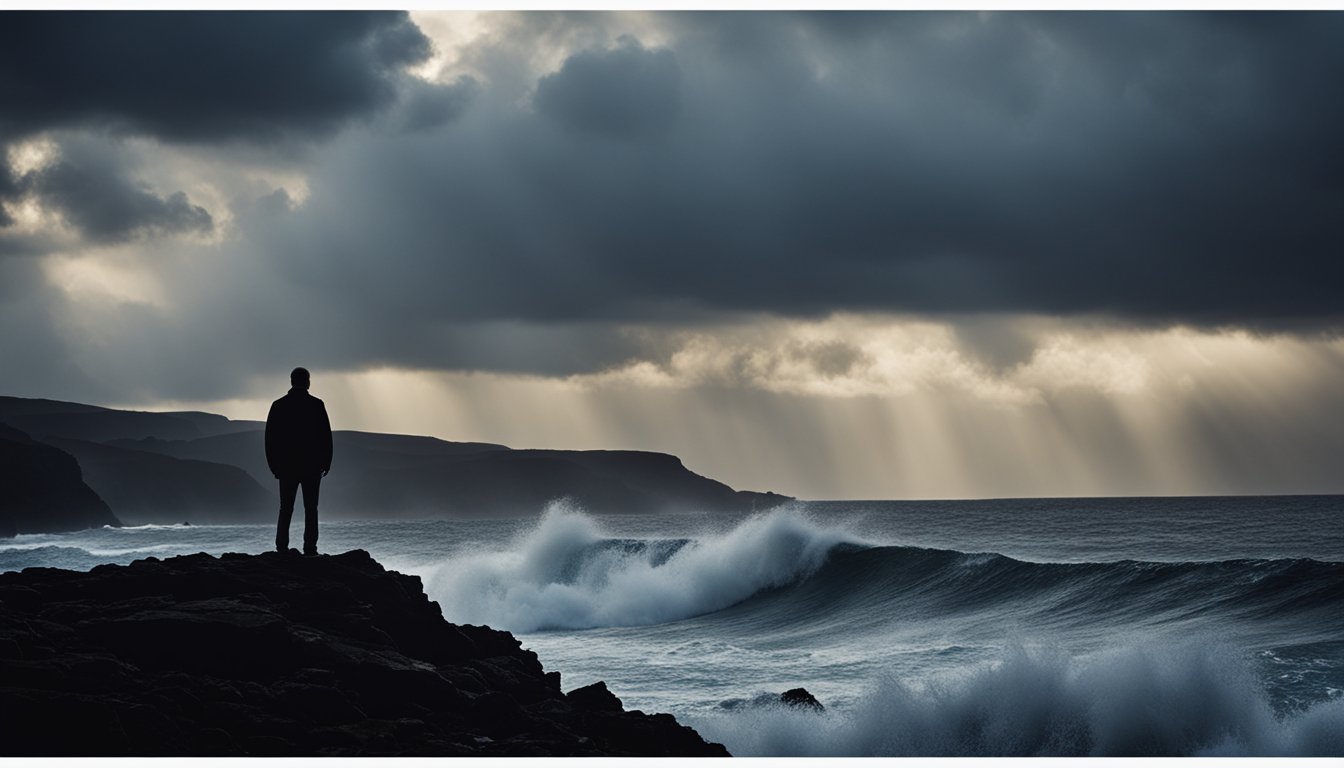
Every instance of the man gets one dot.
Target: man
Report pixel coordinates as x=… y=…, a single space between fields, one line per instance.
x=298 y=450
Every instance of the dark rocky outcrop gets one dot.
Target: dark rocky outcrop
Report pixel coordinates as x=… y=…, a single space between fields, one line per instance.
x=42 y=489
x=283 y=655
x=800 y=697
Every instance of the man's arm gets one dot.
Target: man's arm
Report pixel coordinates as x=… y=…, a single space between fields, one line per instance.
x=271 y=440
x=326 y=441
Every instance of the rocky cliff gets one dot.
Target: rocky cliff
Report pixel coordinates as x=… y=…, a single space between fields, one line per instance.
x=284 y=655
x=42 y=489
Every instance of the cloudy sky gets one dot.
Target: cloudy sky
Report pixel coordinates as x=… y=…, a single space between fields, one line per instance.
x=893 y=255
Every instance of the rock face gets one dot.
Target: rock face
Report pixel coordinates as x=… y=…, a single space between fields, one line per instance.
x=284 y=655
x=42 y=489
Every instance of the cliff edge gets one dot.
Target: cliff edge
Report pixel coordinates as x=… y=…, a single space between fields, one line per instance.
x=284 y=655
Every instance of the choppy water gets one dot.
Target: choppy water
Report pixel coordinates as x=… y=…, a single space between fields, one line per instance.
x=1101 y=626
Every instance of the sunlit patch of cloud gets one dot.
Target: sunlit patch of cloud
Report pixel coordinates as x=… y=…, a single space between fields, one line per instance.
x=30 y=218
x=1063 y=362
x=450 y=32
x=32 y=155
x=842 y=356
x=849 y=356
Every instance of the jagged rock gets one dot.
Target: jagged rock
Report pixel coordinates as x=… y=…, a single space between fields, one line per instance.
x=275 y=656
x=595 y=697
x=799 y=697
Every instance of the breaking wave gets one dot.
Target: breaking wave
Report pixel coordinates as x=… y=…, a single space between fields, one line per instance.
x=1152 y=700
x=565 y=574
x=783 y=568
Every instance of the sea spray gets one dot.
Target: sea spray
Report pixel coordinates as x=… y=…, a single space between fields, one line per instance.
x=1193 y=698
x=567 y=574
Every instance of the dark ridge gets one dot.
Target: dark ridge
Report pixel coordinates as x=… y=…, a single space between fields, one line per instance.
x=407 y=476
x=105 y=425
x=36 y=406
x=275 y=655
x=379 y=475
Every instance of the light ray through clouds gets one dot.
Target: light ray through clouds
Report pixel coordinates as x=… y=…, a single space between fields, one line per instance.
x=1173 y=412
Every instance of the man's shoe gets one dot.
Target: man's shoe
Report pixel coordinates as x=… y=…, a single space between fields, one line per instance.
x=310 y=553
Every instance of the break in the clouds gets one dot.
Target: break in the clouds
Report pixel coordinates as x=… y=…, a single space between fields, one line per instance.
x=192 y=203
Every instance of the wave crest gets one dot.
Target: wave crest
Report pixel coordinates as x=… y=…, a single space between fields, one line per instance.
x=566 y=574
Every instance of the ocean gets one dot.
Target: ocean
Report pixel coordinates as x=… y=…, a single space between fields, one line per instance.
x=1134 y=626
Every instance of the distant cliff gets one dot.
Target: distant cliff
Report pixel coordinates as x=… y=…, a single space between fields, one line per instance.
x=270 y=655
x=399 y=475
x=42 y=489
x=200 y=467
x=150 y=487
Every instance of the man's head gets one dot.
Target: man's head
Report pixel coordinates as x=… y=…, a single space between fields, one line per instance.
x=298 y=378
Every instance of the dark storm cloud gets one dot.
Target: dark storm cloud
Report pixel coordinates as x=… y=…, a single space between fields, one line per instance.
x=106 y=206
x=197 y=76
x=1151 y=168
x=625 y=91
x=253 y=79
x=1154 y=167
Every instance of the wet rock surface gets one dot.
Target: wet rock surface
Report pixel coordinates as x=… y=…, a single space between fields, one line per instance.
x=799 y=698
x=276 y=655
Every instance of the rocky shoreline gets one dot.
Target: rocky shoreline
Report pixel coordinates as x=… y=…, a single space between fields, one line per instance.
x=274 y=655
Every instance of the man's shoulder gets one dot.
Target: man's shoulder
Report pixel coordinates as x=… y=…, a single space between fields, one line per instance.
x=311 y=404
x=298 y=400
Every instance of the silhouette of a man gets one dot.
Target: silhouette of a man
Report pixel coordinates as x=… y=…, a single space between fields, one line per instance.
x=298 y=450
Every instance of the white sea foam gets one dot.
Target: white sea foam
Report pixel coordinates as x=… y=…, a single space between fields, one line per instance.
x=1147 y=700
x=567 y=574
x=147 y=549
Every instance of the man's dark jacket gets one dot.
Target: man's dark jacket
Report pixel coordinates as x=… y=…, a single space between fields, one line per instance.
x=298 y=436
